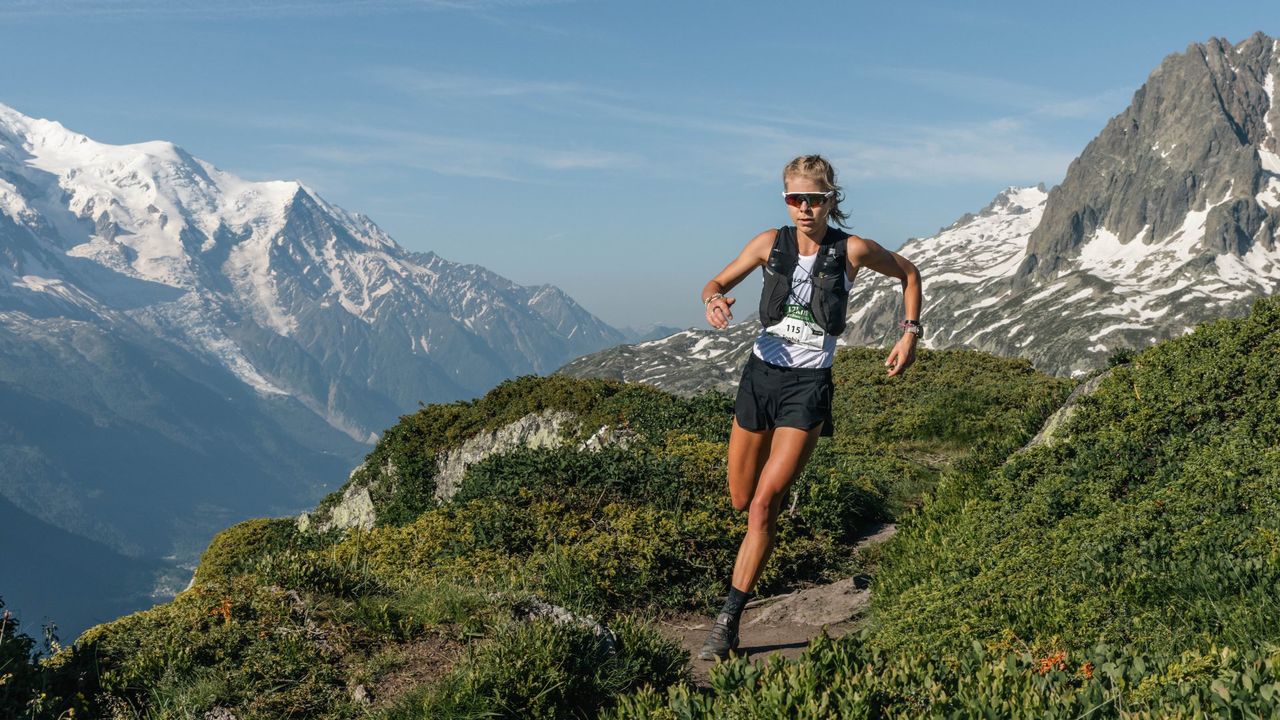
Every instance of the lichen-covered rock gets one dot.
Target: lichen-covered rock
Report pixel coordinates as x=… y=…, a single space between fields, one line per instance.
x=1053 y=426
x=355 y=510
x=536 y=430
x=608 y=436
x=536 y=609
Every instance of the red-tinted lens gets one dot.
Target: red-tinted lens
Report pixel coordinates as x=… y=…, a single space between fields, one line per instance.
x=798 y=199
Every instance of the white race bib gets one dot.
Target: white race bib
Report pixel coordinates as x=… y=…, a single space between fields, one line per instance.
x=798 y=332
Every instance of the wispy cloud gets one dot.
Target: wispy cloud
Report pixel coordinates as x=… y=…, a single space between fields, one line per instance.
x=1010 y=147
x=997 y=151
x=1002 y=93
x=615 y=131
x=1003 y=149
x=1104 y=104
x=435 y=84
x=457 y=155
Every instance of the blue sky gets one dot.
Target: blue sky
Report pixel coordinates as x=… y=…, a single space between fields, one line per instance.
x=622 y=151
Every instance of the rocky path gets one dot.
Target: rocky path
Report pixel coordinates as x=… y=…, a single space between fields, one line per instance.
x=784 y=625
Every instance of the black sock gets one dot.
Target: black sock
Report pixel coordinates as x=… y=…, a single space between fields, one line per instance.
x=735 y=603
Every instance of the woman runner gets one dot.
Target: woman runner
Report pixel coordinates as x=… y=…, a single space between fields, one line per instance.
x=784 y=397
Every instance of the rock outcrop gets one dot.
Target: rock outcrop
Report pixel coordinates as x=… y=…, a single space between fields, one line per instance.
x=547 y=429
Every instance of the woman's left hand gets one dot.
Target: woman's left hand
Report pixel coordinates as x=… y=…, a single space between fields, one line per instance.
x=902 y=355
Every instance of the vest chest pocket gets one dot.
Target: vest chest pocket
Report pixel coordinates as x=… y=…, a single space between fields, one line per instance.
x=773 y=296
x=829 y=301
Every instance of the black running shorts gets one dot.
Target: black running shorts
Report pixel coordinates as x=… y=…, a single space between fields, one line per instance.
x=771 y=396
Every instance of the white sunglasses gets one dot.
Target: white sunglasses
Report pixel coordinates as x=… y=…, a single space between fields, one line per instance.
x=796 y=199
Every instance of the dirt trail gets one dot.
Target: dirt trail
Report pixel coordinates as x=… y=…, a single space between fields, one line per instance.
x=784 y=624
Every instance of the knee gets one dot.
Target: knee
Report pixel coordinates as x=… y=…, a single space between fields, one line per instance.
x=763 y=515
x=741 y=503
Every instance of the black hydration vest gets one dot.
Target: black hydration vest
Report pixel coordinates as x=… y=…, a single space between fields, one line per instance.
x=829 y=298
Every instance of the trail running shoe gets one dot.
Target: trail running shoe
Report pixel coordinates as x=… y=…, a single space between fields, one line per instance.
x=722 y=640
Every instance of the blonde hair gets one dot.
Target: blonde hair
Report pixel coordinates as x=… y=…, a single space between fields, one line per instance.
x=816 y=167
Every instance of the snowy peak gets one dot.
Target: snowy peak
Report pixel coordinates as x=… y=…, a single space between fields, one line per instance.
x=1190 y=163
x=1166 y=219
x=291 y=294
x=1012 y=200
x=982 y=246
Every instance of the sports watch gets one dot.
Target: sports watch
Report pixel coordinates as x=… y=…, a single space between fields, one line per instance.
x=914 y=327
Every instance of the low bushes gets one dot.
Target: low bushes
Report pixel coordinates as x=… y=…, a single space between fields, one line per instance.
x=1128 y=568
x=279 y=622
x=545 y=670
x=850 y=678
x=1150 y=523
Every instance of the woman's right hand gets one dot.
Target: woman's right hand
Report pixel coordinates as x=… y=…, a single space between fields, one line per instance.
x=718 y=312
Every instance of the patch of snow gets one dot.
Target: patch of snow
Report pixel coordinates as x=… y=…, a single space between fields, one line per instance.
x=1027 y=197
x=1118 y=326
x=1269 y=196
x=54 y=287
x=696 y=350
x=1136 y=265
x=1077 y=296
x=1269 y=160
x=1051 y=289
x=985 y=302
x=989 y=328
x=669 y=338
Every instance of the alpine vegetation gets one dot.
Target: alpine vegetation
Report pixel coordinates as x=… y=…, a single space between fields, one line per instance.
x=1125 y=568
x=528 y=591
x=1121 y=565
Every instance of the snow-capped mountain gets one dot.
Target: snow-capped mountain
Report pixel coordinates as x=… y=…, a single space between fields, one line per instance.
x=180 y=347
x=1167 y=219
x=291 y=294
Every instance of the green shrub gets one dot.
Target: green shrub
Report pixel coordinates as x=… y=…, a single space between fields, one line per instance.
x=19 y=678
x=234 y=550
x=400 y=471
x=35 y=685
x=413 y=611
x=317 y=571
x=256 y=649
x=947 y=401
x=544 y=670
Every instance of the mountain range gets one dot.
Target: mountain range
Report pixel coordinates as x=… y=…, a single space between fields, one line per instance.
x=1167 y=218
x=181 y=348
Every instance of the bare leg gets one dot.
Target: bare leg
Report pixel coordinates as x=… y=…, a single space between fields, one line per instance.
x=748 y=453
x=787 y=454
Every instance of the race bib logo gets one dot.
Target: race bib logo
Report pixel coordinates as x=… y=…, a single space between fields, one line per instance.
x=799 y=312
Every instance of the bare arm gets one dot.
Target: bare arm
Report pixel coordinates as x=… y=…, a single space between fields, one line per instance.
x=755 y=254
x=868 y=253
